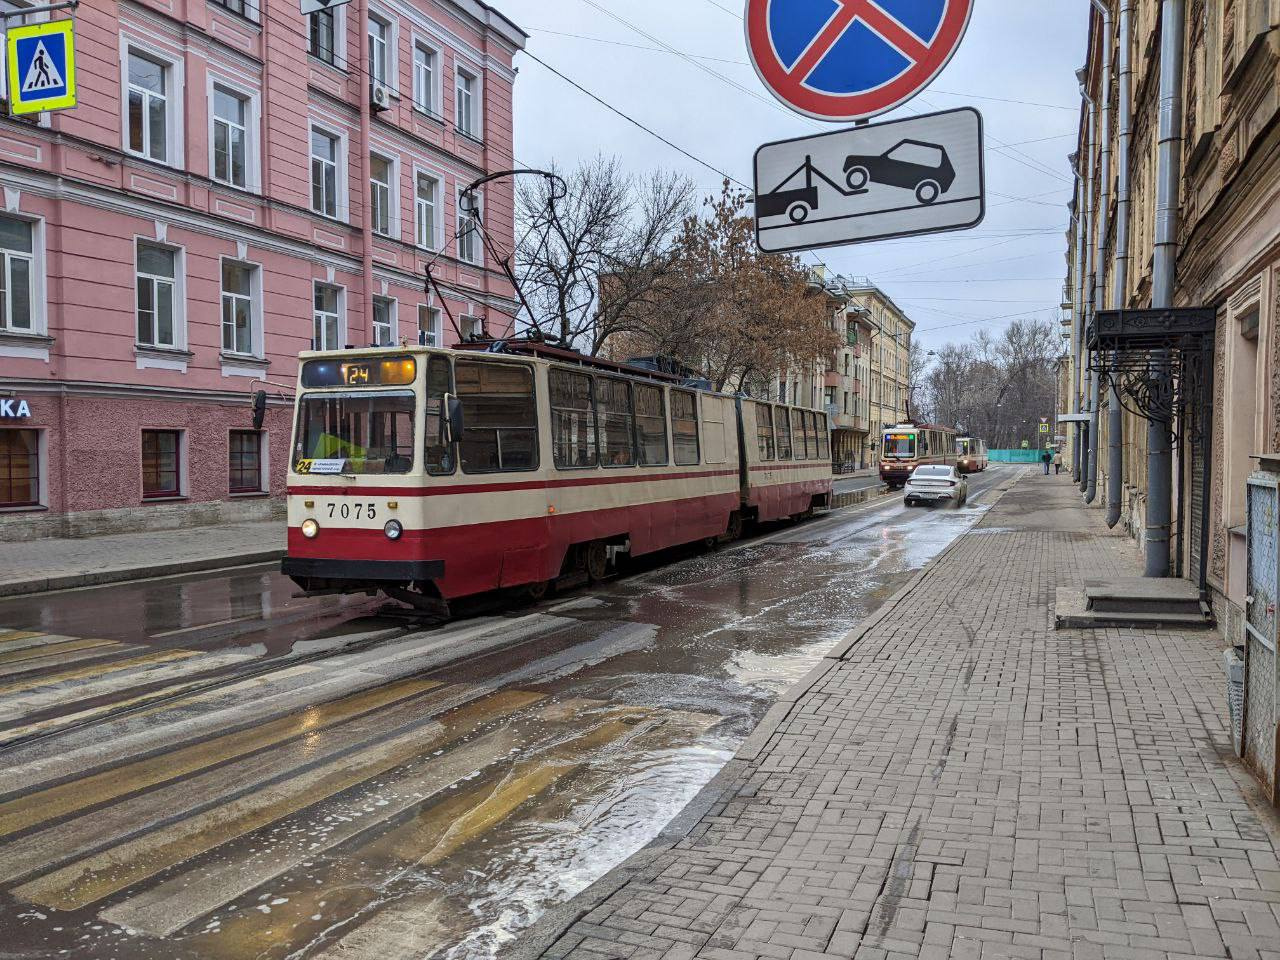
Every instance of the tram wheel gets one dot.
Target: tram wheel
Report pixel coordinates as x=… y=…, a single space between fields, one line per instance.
x=597 y=560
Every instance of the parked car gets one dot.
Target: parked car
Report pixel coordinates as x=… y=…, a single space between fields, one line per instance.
x=936 y=484
x=923 y=168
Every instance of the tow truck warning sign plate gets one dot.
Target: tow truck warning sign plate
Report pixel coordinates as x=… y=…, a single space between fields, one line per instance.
x=901 y=178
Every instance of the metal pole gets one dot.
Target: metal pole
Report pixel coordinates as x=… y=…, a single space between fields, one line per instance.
x=47 y=8
x=366 y=83
x=1086 y=290
x=1077 y=314
x=1120 y=291
x=1164 y=277
x=1100 y=272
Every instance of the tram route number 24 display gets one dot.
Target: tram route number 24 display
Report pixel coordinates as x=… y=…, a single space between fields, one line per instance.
x=352 y=511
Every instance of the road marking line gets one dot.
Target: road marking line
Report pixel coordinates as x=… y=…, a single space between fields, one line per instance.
x=54 y=802
x=7 y=635
x=80 y=673
x=65 y=646
x=21 y=639
x=87 y=881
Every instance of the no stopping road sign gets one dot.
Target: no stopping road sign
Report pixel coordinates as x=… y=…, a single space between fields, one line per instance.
x=852 y=59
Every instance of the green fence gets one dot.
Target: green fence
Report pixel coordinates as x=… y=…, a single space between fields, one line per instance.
x=1014 y=456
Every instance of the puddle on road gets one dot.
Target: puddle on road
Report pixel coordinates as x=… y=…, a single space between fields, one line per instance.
x=654 y=683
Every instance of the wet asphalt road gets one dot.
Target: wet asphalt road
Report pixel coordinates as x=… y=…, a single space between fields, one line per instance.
x=205 y=767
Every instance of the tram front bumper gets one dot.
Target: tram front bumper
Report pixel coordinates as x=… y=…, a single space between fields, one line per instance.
x=363 y=571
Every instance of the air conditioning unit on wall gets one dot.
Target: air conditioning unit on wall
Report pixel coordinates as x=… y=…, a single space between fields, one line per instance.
x=380 y=98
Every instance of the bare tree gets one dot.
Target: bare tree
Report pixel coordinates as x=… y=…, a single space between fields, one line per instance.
x=612 y=228
x=997 y=387
x=737 y=315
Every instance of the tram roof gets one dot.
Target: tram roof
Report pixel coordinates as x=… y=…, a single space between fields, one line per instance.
x=547 y=351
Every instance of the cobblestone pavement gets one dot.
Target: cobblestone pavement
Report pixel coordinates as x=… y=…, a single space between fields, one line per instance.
x=35 y=565
x=965 y=782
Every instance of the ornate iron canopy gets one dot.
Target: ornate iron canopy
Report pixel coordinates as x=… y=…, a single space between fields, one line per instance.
x=1176 y=328
x=1160 y=360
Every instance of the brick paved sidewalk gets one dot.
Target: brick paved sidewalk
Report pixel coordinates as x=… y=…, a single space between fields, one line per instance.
x=35 y=566
x=962 y=781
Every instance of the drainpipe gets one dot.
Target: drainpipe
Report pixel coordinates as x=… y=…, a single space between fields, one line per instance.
x=1087 y=442
x=1163 y=280
x=1104 y=201
x=364 y=86
x=1120 y=290
x=1077 y=315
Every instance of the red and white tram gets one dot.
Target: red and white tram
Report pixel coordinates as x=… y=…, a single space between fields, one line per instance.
x=436 y=474
x=909 y=445
x=971 y=455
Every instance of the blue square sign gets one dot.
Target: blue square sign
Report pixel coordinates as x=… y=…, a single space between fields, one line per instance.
x=42 y=67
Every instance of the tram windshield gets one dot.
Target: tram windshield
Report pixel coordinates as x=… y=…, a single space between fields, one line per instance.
x=364 y=433
x=901 y=445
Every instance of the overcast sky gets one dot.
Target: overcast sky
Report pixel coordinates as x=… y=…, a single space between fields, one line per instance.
x=1017 y=65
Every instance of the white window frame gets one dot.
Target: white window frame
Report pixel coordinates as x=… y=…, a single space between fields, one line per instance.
x=174 y=108
x=179 y=292
x=436 y=315
x=341 y=316
x=391 y=23
x=478 y=260
x=339 y=40
x=341 y=200
x=435 y=241
x=36 y=268
x=435 y=109
x=477 y=101
x=393 y=310
x=253 y=124
x=256 y=335
x=393 y=195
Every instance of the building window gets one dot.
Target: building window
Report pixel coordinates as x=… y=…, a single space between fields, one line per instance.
x=328 y=318
x=11 y=7
x=430 y=333
x=380 y=205
x=425 y=72
x=466 y=103
x=158 y=306
x=384 y=321
x=324 y=173
x=19 y=468
x=230 y=137
x=161 y=453
x=426 y=205
x=246 y=461
x=379 y=32
x=148 y=109
x=246 y=8
x=17 y=274
x=468 y=232
x=239 y=325
x=324 y=36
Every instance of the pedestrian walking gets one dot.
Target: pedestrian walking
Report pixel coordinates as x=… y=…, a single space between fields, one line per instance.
x=1057 y=462
x=1046 y=458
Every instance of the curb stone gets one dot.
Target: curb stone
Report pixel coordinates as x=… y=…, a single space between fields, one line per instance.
x=533 y=943
x=22 y=588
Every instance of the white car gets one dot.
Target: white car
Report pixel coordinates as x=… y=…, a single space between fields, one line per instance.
x=936 y=484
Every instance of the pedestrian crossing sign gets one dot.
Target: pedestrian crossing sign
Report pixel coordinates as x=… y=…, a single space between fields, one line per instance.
x=41 y=63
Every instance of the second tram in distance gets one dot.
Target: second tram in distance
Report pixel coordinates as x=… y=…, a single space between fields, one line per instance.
x=971 y=454
x=910 y=445
x=432 y=474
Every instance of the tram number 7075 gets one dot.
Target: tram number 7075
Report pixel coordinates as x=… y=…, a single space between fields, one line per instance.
x=353 y=511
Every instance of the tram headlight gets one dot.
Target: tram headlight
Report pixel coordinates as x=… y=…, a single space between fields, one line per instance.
x=310 y=529
x=393 y=530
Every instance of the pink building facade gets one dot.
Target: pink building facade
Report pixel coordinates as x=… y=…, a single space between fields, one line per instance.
x=239 y=183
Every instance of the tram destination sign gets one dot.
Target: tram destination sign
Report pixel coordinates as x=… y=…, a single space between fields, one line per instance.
x=901 y=178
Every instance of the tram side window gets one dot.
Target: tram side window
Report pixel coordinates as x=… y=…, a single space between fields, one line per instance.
x=764 y=432
x=438 y=454
x=783 y=424
x=824 y=436
x=651 y=422
x=573 y=420
x=617 y=421
x=684 y=427
x=500 y=432
x=798 y=435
